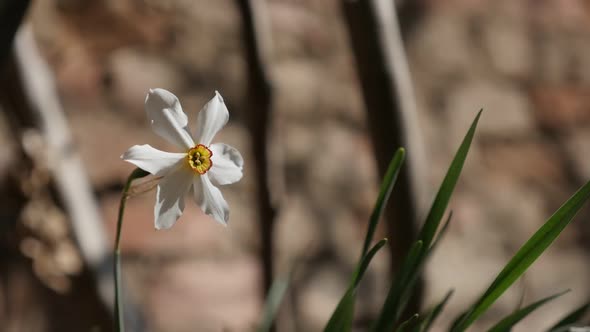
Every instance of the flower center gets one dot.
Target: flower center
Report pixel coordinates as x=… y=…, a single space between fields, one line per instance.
x=199 y=159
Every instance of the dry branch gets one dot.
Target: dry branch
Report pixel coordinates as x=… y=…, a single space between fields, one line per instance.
x=259 y=92
x=391 y=110
x=11 y=15
x=36 y=105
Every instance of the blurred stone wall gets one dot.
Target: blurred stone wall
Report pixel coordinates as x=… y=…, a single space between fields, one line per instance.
x=526 y=63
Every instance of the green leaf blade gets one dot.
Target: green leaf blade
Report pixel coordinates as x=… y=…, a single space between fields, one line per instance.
x=384 y=193
x=509 y=321
x=443 y=196
x=435 y=312
x=526 y=255
x=392 y=307
x=408 y=324
x=341 y=320
x=402 y=286
x=571 y=318
x=342 y=317
x=277 y=292
x=364 y=263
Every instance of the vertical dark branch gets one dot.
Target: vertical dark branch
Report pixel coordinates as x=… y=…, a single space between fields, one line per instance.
x=410 y=13
x=389 y=100
x=11 y=15
x=259 y=94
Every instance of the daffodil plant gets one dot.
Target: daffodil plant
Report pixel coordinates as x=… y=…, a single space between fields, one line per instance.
x=198 y=164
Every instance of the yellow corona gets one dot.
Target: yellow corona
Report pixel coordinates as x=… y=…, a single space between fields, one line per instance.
x=199 y=159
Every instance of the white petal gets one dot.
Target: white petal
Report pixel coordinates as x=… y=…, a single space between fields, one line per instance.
x=211 y=119
x=152 y=160
x=170 y=197
x=227 y=164
x=167 y=118
x=209 y=198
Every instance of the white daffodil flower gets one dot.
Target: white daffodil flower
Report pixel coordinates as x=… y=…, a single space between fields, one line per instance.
x=199 y=166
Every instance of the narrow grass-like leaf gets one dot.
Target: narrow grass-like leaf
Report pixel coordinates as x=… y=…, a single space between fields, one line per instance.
x=573 y=328
x=433 y=219
x=439 y=205
x=273 y=302
x=410 y=283
x=342 y=317
x=417 y=327
x=364 y=264
x=384 y=194
x=506 y=324
x=458 y=320
x=434 y=312
x=408 y=324
x=391 y=309
x=431 y=225
x=571 y=318
x=521 y=299
x=526 y=255
x=441 y=234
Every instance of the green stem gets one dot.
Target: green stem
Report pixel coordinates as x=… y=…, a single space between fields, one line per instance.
x=119 y=318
